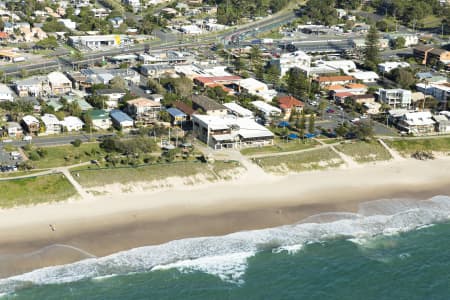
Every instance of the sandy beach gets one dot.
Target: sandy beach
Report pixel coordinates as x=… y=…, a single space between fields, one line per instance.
x=119 y=221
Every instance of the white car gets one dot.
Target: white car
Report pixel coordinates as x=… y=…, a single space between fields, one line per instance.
x=27 y=138
x=356 y=120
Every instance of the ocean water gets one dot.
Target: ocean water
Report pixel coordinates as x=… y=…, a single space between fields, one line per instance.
x=390 y=249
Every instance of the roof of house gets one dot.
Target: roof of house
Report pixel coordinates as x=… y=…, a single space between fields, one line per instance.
x=344 y=94
x=207 y=103
x=58 y=78
x=236 y=108
x=356 y=86
x=365 y=96
x=335 y=87
x=109 y=91
x=437 y=51
x=184 y=107
x=120 y=116
x=30 y=119
x=143 y=102
x=334 y=78
x=287 y=102
x=175 y=112
x=214 y=79
x=98 y=114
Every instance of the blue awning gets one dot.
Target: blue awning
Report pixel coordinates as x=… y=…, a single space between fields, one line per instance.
x=283 y=124
x=293 y=136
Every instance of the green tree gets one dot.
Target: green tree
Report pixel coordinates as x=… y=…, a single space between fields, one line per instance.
x=48 y=43
x=372 y=51
x=118 y=83
x=311 y=127
x=399 y=43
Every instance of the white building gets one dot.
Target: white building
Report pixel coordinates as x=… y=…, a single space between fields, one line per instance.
x=396 y=98
x=268 y=110
x=96 y=42
x=365 y=76
x=59 y=83
x=224 y=132
x=239 y=111
x=410 y=39
x=257 y=88
x=71 y=123
x=6 y=94
x=51 y=123
x=297 y=59
x=417 y=123
x=68 y=23
x=388 y=66
x=191 y=29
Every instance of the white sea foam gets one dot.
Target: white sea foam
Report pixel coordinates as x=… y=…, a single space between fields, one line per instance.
x=226 y=256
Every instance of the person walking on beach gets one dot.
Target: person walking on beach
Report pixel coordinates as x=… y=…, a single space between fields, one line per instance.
x=52 y=228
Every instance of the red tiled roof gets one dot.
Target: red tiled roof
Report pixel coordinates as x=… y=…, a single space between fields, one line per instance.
x=287 y=102
x=3 y=35
x=343 y=94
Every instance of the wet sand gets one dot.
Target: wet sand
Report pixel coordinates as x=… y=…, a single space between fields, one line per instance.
x=112 y=223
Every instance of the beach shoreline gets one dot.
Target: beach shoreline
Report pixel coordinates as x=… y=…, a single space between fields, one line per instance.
x=111 y=223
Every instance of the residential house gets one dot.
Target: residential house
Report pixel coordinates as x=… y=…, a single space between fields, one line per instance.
x=6 y=94
x=417 y=123
x=442 y=123
x=157 y=70
x=114 y=96
x=268 y=111
x=257 y=88
x=388 y=66
x=121 y=120
x=188 y=110
x=143 y=110
x=33 y=86
x=116 y=22
x=59 y=83
x=366 y=98
x=396 y=98
x=30 y=124
x=71 y=123
x=365 y=76
x=239 y=111
x=13 y=129
x=226 y=131
x=410 y=39
x=289 y=104
x=177 y=117
x=51 y=124
x=208 y=105
x=100 y=119
x=324 y=81
x=440 y=92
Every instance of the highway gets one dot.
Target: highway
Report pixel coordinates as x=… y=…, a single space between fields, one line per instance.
x=90 y=58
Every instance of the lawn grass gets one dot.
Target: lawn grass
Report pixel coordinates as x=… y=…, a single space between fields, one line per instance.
x=92 y=176
x=363 y=152
x=57 y=156
x=318 y=159
x=19 y=173
x=408 y=146
x=280 y=145
x=34 y=190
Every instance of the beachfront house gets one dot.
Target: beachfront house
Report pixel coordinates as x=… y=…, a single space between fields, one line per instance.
x=59 y=83
x=143 y=110
x=121 y=120
x=100 y=119
x=208 y=105
x=30 y=124
x=227 y=132
x=51 y=124
x=417 y=123
x=177 y=117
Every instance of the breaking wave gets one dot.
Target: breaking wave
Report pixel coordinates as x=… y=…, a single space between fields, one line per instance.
x=226 y=256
